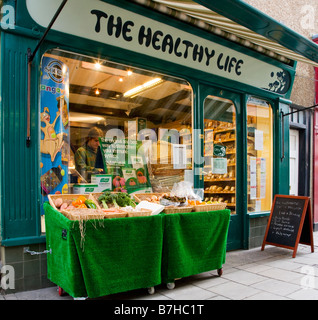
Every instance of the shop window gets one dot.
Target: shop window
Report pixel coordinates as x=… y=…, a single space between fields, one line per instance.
x=220 y=151
x=136 y=125
x=259 y=155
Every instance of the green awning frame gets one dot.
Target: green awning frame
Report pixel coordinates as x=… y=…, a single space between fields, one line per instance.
x=239 y=22
x=257 y=21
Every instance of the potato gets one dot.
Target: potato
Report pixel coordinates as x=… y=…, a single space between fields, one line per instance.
x=58 y=202
x=63 y=206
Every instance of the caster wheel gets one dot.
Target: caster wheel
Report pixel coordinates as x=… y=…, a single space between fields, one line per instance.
x=170 y=285
x=151 y=290
x=220 y=272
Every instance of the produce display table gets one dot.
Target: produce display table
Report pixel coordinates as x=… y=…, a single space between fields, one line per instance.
x=193 y=243
x=117 y=255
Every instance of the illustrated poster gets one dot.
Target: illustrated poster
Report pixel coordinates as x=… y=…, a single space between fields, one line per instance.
x=54 y=117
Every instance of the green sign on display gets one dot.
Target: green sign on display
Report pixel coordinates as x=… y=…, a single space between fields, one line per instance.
x=124 y=159
x=219 y=150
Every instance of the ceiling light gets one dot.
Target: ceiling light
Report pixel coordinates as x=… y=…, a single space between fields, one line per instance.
x=120 y=79
x=97 y=65
x=97 y=92
x=129 y=73
x=147 y=85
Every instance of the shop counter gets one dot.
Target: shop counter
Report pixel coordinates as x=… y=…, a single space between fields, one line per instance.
x=193 y=243
x=97 y=258
x=115 y=255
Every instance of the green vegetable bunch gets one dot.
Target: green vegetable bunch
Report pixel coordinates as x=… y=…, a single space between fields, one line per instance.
x=108 y=198
x=120 y=199
x=123 y=200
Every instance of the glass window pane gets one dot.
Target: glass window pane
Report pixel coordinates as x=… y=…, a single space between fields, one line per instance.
x=220 y=151
x=259 y=155
x=110 y=126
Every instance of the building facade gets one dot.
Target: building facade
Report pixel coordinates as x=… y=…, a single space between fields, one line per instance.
x=206 y=110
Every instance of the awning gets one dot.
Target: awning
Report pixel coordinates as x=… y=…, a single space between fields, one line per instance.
x=241 y=23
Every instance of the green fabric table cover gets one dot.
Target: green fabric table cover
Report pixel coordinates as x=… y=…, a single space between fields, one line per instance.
x=194 y=243
x=117 y=255
x=124 y=254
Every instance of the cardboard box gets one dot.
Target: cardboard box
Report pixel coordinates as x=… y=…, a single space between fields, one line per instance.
x=85 y=188
x=104 y=181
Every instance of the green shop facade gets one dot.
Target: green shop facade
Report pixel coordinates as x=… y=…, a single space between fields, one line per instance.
x=208 y=109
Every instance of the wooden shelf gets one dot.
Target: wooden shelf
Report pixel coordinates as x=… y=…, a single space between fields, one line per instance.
x=220 y=180
x=223 y=192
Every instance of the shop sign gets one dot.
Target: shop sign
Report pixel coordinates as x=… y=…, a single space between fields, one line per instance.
x=106 y=23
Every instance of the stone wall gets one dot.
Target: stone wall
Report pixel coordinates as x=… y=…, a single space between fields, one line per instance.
x=302 y=17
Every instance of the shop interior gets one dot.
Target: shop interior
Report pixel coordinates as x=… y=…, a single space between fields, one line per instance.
x=157 y=110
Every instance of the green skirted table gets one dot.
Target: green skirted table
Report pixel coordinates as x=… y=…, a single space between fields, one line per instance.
x=193 y=243
x=117 y=255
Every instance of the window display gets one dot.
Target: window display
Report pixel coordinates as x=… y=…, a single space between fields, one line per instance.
x=107 y=126
x=220 y=151
x=259 y=155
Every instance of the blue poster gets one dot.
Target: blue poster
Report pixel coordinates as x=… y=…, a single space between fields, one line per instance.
x=54 y=116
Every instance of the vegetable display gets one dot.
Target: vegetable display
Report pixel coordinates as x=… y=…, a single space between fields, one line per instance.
x=81 y=202
x=120 y=199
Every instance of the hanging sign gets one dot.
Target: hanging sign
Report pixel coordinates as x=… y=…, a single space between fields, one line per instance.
x=290 y=223
x=108 y=24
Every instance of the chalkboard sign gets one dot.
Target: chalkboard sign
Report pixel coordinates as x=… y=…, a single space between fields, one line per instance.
x=290 y=223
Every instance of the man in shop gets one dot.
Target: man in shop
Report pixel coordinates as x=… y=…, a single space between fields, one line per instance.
x=85 y=156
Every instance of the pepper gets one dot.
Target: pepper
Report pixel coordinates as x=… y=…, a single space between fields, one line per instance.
x=83 y=205
x=90 y=204
x=79 y=200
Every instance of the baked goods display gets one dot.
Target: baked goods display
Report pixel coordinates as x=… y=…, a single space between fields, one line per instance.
x=220 y=187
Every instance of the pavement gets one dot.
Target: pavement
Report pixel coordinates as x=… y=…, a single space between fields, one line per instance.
x=252 y=274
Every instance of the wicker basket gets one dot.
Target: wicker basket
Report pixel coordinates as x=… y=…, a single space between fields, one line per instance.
x=121 y=214
x=210 y=207
x=83 y=214
x=185 y=209
x=143 y=196
x=94 y=196
x=141 y=213
x=68 y=198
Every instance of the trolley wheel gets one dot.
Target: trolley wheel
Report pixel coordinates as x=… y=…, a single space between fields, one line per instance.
x=151 y=290
x=220 y=272
x=61 y=292
x=170 y=285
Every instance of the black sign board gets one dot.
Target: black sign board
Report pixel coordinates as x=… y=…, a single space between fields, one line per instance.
x=290 y=223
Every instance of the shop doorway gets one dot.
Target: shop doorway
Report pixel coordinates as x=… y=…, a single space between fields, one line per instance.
x=293 y=162
x=222 y=167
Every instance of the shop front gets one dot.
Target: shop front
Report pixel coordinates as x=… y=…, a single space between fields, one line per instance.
x=191 y=107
